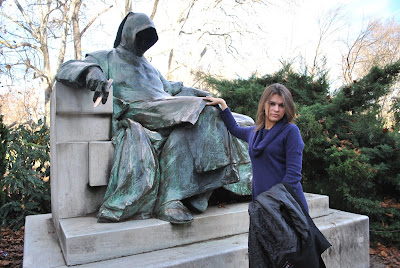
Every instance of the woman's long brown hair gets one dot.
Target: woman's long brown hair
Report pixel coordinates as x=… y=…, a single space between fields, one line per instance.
x=288 y=103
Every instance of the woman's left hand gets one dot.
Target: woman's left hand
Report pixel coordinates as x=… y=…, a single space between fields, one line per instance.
x=216 y=101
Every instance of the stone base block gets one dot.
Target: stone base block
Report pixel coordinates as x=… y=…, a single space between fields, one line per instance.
x=347 y=232
x=41 y=245
x=349 y=235
x=318 y=205
x=84 y=240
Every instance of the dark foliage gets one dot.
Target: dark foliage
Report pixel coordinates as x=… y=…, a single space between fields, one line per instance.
x=349 y=155
x=3 y=147
x=26 y=184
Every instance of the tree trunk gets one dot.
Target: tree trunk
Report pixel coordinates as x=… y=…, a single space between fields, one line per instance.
x=76 y=31
x=47 y=97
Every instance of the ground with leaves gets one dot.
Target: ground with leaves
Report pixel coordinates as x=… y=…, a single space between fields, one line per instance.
x=12 y=245
x=382 y=256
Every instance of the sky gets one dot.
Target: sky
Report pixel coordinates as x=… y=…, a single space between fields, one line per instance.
x=290 y=33
x=297 y=32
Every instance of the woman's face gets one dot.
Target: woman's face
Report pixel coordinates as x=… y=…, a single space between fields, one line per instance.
x=274 y=110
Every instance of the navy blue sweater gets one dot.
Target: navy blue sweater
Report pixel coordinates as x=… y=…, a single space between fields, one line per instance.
x=276 y=154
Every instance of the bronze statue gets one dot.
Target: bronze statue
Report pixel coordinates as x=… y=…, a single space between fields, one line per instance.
x=171 y=150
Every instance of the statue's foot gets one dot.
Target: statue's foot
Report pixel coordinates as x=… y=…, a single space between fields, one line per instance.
x=199 y=202
x=104 y=220
x=174 y=212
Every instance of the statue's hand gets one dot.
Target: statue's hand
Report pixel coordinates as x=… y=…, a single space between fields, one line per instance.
x=190 y=91
x=97 y=82
x=200 y=93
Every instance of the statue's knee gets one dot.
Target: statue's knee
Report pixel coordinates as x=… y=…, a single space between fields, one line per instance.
x=211 y=111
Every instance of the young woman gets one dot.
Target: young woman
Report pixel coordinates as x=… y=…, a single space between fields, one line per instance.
x=275 y=143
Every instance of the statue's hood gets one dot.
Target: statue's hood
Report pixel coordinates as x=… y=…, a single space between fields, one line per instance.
x=136 y=33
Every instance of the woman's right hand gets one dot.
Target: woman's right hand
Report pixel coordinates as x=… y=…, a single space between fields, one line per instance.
x=216 y=101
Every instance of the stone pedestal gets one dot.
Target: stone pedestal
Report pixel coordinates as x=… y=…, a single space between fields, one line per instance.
x=81 y=152
x=81 y=158
x=216 y=238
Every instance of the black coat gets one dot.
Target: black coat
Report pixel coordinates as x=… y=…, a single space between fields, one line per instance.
x=282 y=233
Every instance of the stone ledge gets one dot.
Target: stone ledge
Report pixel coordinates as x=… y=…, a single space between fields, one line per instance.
x=347 y=232
x=349 y=235
x=84 y=240
x=41 y=247
x=318 y=205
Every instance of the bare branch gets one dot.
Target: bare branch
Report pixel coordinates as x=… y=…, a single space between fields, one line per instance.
x=35 y=31
x=95 y=17
x=18 y=45
x=153 y=13
x=17 y=22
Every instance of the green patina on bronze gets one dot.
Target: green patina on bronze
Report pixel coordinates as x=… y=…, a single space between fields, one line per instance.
x=169 y=146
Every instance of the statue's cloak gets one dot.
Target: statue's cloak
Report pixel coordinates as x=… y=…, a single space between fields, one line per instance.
x=168 y=144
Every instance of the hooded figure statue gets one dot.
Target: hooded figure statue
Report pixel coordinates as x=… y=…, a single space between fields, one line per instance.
x=170 y=148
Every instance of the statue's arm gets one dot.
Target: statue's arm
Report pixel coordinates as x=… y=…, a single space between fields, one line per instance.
x=190 y=91
x=73 y=73
x=178 y=89
x=85 y=74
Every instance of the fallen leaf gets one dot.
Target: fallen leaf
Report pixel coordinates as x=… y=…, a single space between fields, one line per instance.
x=4 y=262
x=383 y=254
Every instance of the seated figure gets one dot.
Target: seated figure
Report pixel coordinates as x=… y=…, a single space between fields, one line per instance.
x=171 y=150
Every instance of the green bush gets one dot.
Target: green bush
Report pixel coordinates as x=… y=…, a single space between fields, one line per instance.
x=26 y=183
x=349 y=155
x=3 y=150
x=243 y=95
x=3 y=147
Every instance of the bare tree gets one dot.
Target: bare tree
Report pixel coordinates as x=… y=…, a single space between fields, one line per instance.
x=76 y=32
x=34 y=33
x=155 y=6
x=21 y=106
x=124 y=7
x=329 y=23
x=205 y=35
x=378 y=44
x=352 y=58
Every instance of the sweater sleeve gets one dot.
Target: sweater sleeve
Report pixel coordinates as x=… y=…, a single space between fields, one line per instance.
x=294 y=156
x=242 y=133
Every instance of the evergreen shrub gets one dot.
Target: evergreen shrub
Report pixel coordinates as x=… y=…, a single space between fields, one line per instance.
x=26 y=184
x=3 y=150
x=3 y=147
x=349 y=155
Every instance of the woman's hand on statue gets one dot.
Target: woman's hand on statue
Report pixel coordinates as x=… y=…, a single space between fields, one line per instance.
x=216 y=101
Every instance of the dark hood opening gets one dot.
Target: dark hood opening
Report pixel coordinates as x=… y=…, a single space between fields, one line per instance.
x=136 y=33
x=146 y=39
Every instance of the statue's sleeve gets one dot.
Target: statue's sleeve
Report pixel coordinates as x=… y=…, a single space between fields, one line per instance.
x=72 y=72
x=190 y=91
x=178 y=89
x=171 y=88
